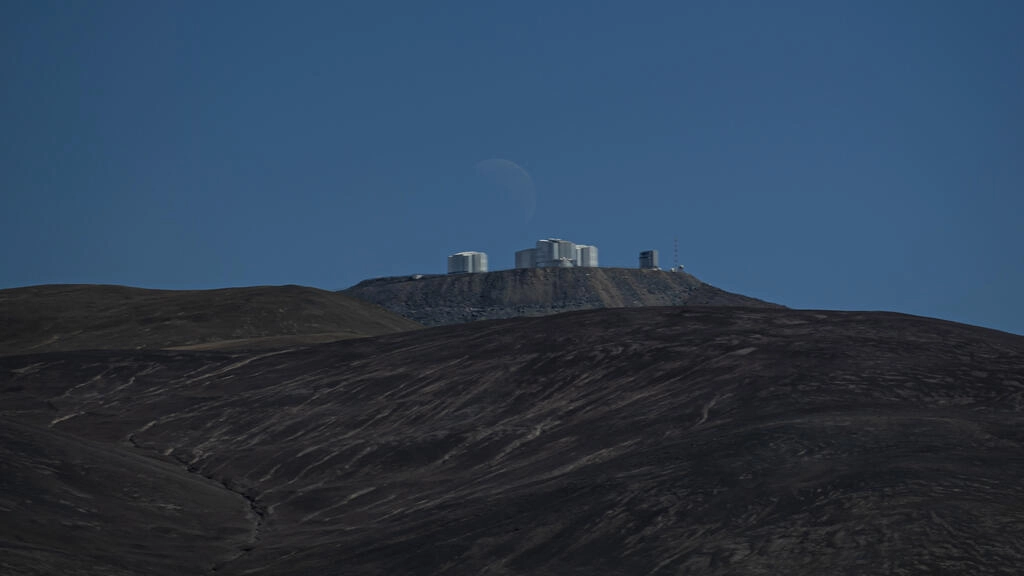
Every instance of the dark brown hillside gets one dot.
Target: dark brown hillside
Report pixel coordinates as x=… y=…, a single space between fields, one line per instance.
x=687 y=440
x=71 y=506
x=73 y=317
x=450 y=299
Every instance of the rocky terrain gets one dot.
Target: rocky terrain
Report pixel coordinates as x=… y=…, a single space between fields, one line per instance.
x=656 y=441
x=77 y=316
x=450 y=299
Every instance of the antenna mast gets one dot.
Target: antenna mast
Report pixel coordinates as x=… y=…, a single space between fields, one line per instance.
x=675 y=253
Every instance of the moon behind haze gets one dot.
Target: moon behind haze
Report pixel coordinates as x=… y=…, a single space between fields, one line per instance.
x=510 y=182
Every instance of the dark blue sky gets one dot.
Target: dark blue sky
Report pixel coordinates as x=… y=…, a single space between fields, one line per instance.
x=849 y=155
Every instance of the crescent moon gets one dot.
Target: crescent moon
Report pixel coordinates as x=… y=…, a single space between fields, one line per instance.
x=512 y=181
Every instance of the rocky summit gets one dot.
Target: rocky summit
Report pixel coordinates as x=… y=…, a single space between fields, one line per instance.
x=655 y=441
x=435 y=300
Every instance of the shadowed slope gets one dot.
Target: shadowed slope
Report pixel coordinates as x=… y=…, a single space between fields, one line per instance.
x=71 y=506
x=451 y=299
x=628 y=441
x=73 y=317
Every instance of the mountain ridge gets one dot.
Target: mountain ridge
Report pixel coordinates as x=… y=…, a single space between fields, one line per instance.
x=440 y=299
x=55 y=317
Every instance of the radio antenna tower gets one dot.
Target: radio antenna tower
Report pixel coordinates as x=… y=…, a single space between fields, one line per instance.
x=675 y=253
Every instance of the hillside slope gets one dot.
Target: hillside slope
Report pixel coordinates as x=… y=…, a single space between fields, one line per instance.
x=451 y=299
x=76 y=316
x=687 y=440
x=66 y=501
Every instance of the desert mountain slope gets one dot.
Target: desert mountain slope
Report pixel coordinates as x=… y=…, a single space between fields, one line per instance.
x=704 y=440
x=450 y=299
x=75 y=316
x=72 y=506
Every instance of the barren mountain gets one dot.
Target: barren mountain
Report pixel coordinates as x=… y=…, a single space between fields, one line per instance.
x=75 y=317
x=687 y=440
x=450 y=299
